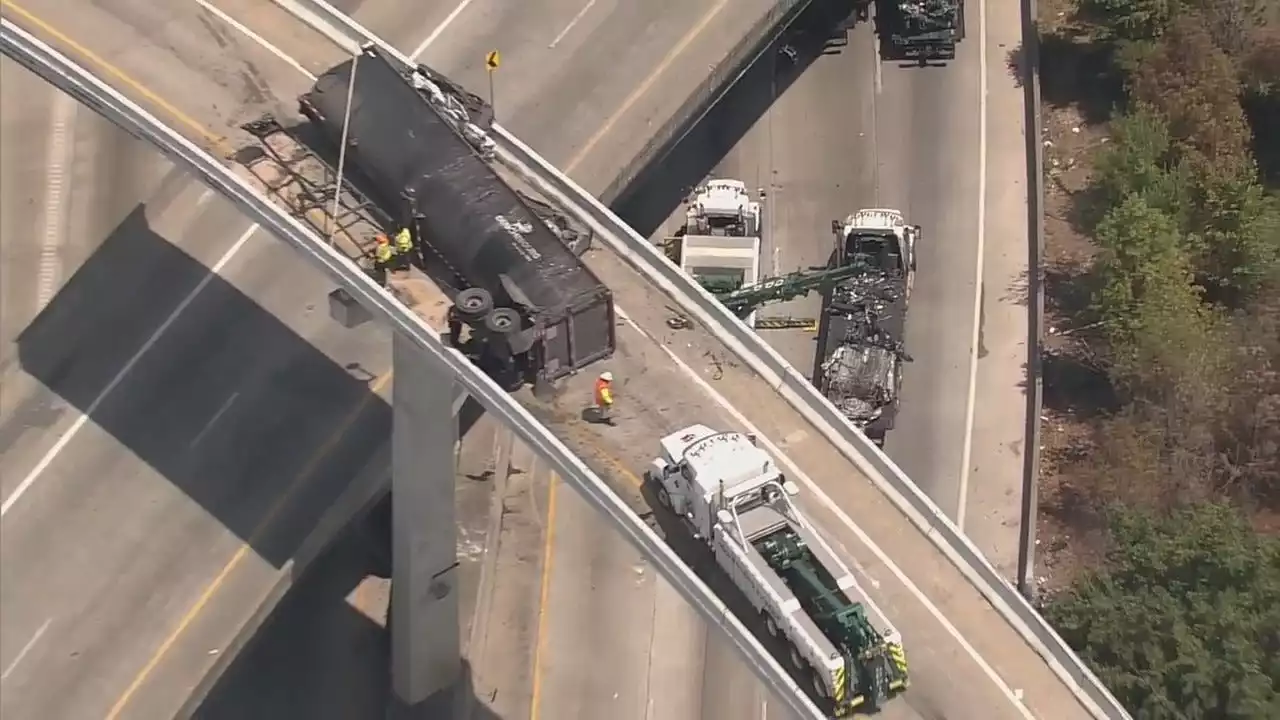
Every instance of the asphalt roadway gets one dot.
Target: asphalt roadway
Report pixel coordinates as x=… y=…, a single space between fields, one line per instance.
x=947 y=678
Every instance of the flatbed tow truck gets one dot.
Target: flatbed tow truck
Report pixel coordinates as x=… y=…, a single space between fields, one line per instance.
x=920 y=30
x=734 y=499
x=860 y=340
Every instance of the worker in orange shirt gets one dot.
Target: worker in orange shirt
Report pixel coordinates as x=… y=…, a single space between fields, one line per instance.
x=604 y=398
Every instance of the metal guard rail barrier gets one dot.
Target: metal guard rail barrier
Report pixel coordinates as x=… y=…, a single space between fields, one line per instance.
x=78 y=82
x=641 y=255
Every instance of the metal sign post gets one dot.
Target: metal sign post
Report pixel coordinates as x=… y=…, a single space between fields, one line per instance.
x=342 y=152
x=492 y=60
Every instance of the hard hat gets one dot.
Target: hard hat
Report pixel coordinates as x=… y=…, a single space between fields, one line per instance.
x=606 y=376
x=382 y=239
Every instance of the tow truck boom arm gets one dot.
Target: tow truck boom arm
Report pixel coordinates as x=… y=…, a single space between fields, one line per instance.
x=785 y=287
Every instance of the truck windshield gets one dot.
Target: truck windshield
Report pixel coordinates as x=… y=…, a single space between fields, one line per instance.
x=877 y=249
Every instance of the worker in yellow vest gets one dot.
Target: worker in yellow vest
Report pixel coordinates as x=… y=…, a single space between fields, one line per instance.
x=384 y=258
x=404 y=248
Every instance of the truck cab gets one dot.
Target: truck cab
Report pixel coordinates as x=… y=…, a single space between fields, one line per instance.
x=702 y=472
x=722 y=207
x=879 y=236
x=719 y=244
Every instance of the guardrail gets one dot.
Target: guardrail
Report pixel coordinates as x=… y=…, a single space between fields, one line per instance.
x=78 y=82
x=637 y=252
x=1032 y=129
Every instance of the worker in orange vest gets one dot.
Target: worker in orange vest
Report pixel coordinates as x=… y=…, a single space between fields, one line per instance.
x=604 y=397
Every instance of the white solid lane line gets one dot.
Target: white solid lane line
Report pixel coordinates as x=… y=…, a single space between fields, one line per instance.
x=226 y=405
x=422 y=47
x=58 y=163
x=821 y=496
x=572 y=22
x=80 y=421
x=25 y=649
x=966 y=453
x=261 y=41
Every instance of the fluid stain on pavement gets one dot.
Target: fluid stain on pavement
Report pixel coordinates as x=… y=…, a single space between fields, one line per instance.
x=34 y=413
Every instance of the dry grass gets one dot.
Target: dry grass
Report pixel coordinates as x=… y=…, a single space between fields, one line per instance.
x=1069 y=540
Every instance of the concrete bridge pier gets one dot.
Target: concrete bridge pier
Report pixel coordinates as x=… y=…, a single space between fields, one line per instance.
x=425 y=638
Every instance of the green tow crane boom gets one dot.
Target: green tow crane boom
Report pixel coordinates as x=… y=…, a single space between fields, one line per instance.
x=741 y=300
x=880 y=669
x=784 y=287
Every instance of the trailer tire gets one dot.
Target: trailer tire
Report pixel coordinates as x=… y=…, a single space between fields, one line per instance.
x=796 y=659
x=819 y=687
x=664 y=498
x=473 y=303
x=770 y=626
x=502 y=321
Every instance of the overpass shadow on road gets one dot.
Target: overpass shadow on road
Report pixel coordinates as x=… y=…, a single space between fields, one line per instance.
x=292 y=399
x=669 y=174
x=318 y=657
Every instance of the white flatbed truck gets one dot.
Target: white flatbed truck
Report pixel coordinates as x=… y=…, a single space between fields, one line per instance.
x=737 y=502
x=719 y=243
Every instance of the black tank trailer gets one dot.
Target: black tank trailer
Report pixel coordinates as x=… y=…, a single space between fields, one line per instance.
x=517 y=285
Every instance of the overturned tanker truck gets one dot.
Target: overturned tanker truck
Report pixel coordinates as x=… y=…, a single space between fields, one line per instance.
x=539 y=313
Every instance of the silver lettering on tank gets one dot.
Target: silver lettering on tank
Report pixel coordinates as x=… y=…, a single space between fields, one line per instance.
x=517 y=230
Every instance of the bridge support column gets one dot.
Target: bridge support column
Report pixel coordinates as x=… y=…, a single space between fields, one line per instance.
x=425 y=642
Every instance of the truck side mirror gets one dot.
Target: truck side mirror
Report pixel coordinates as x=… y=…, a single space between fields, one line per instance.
x=835 y=227
x=790 y=488
x=724 y=517
x=751 y=437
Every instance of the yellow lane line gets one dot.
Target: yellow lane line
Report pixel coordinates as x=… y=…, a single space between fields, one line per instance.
x=548 y=548
x=643 y=87
x=218 y=141
x=209 y=592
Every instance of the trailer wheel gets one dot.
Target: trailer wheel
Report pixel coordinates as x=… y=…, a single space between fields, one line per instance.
x=797 y=659
x=818 y=686
x=770 y=626
x=502 y=321
x=664 y=499
x=473 y=303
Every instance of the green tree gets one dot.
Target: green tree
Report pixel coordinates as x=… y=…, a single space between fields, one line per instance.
x=1240 y=226
x=1161 y=334
x=1184 y=619
x=1140 y=160
x=1130 y=19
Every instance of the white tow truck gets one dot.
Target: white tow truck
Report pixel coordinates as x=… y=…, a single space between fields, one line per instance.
x=719 y=243
x=735 y=500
